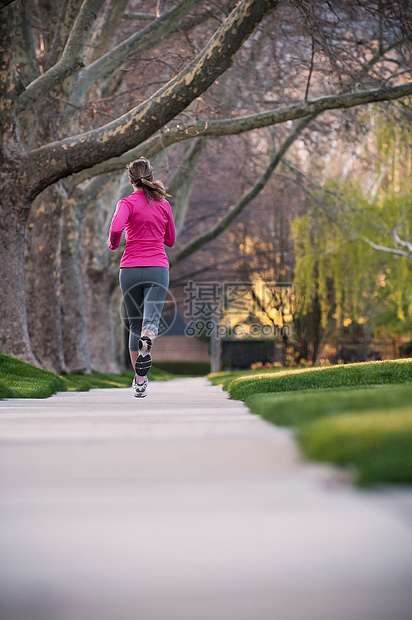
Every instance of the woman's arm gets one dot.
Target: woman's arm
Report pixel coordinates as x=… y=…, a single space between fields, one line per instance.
x=170 y=234
x=118 y=224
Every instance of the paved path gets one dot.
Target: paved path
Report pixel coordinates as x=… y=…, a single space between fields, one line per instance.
x=184 y=506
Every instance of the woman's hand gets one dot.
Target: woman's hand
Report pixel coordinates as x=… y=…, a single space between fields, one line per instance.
x=109 y=244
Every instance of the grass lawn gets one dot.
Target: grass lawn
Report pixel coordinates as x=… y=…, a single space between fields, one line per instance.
x=354 y=415
x=366 y=373
x=21 y=380
x=225 y=377
x=378 y=444
x=300 y=407
x=83 y=383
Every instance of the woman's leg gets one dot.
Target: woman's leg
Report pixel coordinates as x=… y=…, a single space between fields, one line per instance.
x=144 y=292
x=131 y=284
x=154 y=293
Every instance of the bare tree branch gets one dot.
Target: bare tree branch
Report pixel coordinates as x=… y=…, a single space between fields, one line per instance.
x=140 y=15
x=189 y=161
x=159 y=7
x=70 y=61
x=59 y=159
x=286 y=113
x=24 y=53
x=104 y=30
x=347 y=226
x=244 y=201
x=182 y=182
x=68 y=11
x=312 y=57
x=383 y=248
x=224 y=127
x=402 y=242
x=144 y=39
x=8 y=90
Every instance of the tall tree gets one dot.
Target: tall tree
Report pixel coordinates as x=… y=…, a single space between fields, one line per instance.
x=25 y=175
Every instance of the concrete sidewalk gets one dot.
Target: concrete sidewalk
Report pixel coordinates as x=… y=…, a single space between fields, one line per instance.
x=184 y=506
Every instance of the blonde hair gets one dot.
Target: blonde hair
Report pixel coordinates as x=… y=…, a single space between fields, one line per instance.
x=141 y=175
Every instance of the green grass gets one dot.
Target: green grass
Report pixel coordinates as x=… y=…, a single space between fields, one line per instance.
x=378 y=445
x=21 y=380
x=225 y=377
x=300 y=407
x=366 y=373
x=83 y=383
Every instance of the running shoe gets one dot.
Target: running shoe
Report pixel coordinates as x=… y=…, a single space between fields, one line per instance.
x=140 y=389
x=144 y=359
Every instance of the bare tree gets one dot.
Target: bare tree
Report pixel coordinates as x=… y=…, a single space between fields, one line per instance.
x=27 y=174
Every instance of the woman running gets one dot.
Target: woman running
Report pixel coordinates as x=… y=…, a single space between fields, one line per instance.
x=147 y=218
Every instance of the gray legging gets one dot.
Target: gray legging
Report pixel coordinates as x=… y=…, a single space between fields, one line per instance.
x=144 y=291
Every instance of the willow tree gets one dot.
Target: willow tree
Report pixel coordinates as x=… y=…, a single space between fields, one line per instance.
x=345 y=287
x=354 y=246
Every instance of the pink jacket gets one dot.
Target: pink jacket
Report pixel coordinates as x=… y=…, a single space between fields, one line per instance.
x=149 y=227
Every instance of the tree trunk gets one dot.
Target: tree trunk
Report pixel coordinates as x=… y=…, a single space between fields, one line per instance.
x=98 y=295
x=317 y=332
x=14 y=335
x=73 y=304
x=285 y=345
x=215 y=350
x=303 y=349
x=44 y=236
x=100 y=276
x=14 y=203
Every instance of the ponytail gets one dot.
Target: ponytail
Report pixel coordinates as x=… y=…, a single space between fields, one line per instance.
x=141 y=175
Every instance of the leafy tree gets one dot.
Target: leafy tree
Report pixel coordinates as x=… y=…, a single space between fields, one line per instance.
x=352 y=256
